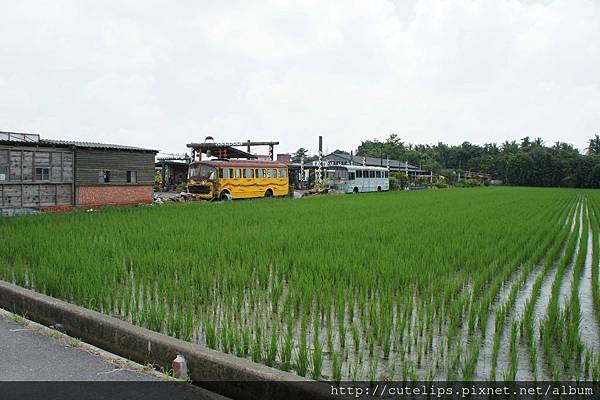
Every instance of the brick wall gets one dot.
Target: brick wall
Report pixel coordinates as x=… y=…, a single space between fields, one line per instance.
x=114 y=195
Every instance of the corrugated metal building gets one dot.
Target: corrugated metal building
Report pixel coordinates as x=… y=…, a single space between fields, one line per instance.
x=347 y=159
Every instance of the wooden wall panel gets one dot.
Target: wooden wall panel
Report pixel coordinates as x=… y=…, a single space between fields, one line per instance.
x=11 y=196
x=28 y=171
x=89 y=163
x=42 y=158
x=15 y=165
x=64 y=195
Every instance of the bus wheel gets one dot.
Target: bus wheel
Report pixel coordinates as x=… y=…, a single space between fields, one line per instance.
x=269 y=193
x=355 y=190
x=225 y=196
x=379 y=188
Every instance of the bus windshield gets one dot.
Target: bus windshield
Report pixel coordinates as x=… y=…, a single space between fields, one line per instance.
x=200 y=171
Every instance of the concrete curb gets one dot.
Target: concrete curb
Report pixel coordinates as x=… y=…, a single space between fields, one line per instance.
x=223 y=373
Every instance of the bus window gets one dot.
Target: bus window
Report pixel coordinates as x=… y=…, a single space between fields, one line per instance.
x=351 y=178
x=231 y=174
x=386 y=174
x=224 y=173
x=238 y=173
x=372 y=175
x=359 y=174
x=248 y=173
x=272 y=173
x=260 y=173
x=283 y=173
x=378 y=174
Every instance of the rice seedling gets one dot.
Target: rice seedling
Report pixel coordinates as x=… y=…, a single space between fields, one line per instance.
x=336 y=366
x=317 y=359
x=302 y=358
x=262 y=280
x=272 y=350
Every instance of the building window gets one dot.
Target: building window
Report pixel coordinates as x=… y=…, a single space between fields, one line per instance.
x=104 y=177
x=131 y=176
x=3 y=173
x=42 y=174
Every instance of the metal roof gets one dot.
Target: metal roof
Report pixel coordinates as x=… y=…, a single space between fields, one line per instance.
x=225 y=150
x=372 y=161
x=94 y=145
x=357 y=167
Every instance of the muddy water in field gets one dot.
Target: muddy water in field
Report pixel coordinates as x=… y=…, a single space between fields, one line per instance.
x=588 y=328
x=503 y=364
x=523 y=371
x=567 y=282
x=542 y=304
x=484 y=362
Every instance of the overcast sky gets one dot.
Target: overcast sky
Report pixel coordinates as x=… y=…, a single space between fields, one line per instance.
x=170 y=72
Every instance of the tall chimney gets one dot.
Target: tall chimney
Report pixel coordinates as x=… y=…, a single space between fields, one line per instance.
x=320 y=169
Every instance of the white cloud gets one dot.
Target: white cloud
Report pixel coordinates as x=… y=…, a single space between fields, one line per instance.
x=168 y=73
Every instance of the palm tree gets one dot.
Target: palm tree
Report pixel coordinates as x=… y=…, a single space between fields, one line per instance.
x=594 y=146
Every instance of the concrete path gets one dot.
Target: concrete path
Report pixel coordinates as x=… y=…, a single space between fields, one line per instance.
x=31 y=352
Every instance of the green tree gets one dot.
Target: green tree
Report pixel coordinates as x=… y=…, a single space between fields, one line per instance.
x=342 y=152
x=528 y=162
x=594 y=146
x=298 y=154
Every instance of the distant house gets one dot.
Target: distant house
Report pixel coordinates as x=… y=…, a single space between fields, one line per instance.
x=45 y=174
x=347 y=159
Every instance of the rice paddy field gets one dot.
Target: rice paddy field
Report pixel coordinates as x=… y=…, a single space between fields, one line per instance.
x=473 y=284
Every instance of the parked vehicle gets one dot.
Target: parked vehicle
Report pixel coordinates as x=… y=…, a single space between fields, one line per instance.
x=358 y=179
x=237 y=179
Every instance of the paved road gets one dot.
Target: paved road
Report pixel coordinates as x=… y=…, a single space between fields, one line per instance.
x=31 y=352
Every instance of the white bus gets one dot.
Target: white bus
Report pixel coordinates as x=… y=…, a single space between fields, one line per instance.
x=358 y=179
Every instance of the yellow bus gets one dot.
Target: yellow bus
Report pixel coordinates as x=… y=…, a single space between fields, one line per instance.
x=237 y=179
